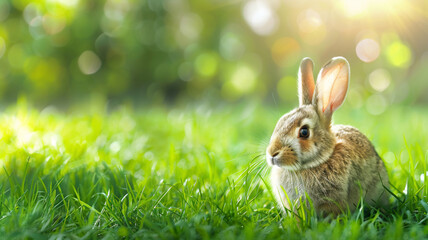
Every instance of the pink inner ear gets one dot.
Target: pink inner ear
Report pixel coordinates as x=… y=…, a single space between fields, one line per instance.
x=311 y=87
x=306 y=81
x=334 y=86
x=339 y=95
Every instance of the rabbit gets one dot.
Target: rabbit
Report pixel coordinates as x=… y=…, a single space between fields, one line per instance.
x=332 y=164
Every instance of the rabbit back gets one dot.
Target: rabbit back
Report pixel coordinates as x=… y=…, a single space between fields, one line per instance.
x=367 y=171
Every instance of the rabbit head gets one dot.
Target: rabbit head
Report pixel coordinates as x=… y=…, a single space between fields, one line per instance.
x=302 y=138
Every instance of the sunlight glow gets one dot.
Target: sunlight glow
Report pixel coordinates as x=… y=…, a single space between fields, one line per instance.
x=354 y=8
x=362 y=8
x=25 y=136
x=66 y=3
x=311 y=27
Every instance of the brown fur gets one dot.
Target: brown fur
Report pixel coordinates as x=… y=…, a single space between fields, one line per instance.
x=305 y=145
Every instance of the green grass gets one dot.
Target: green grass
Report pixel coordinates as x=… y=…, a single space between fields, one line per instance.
x=188 y=172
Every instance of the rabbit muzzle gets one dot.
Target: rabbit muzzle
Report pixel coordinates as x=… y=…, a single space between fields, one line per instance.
x=282 y=156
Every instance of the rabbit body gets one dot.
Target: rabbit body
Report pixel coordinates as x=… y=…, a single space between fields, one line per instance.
x=335 y=165
x=335 y=184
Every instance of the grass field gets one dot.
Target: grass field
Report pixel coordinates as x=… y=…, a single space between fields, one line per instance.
x=193 y=172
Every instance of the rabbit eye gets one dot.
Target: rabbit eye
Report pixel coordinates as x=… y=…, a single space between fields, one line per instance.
x=304 y=132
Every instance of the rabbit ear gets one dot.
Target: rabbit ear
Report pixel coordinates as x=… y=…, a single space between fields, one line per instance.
x=306 y=82
x=332 y=86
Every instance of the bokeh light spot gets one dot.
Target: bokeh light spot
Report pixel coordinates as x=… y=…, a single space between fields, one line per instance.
x=206 y=64
x=389 y=157
x=53 y=24
x=31 y=12
x=380 y=79
x=191 y=26
x=422 y=176
x=115 y=147
x=231 y=47
x=116 y=10
x=185 y=71
x=376 y=104
x=89 y=62
x=244 y=79
x=367 y=50
x=260 y=16
x=398 y=54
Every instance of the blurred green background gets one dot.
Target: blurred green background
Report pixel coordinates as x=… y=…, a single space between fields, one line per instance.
x=168 y=51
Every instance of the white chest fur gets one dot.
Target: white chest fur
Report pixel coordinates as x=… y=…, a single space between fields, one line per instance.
x=287 y=182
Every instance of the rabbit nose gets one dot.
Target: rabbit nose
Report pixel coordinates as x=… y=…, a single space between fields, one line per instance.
x=275 y=154
x=274 y=159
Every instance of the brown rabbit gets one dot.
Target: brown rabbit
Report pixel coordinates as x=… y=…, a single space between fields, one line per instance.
x=333 y=164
